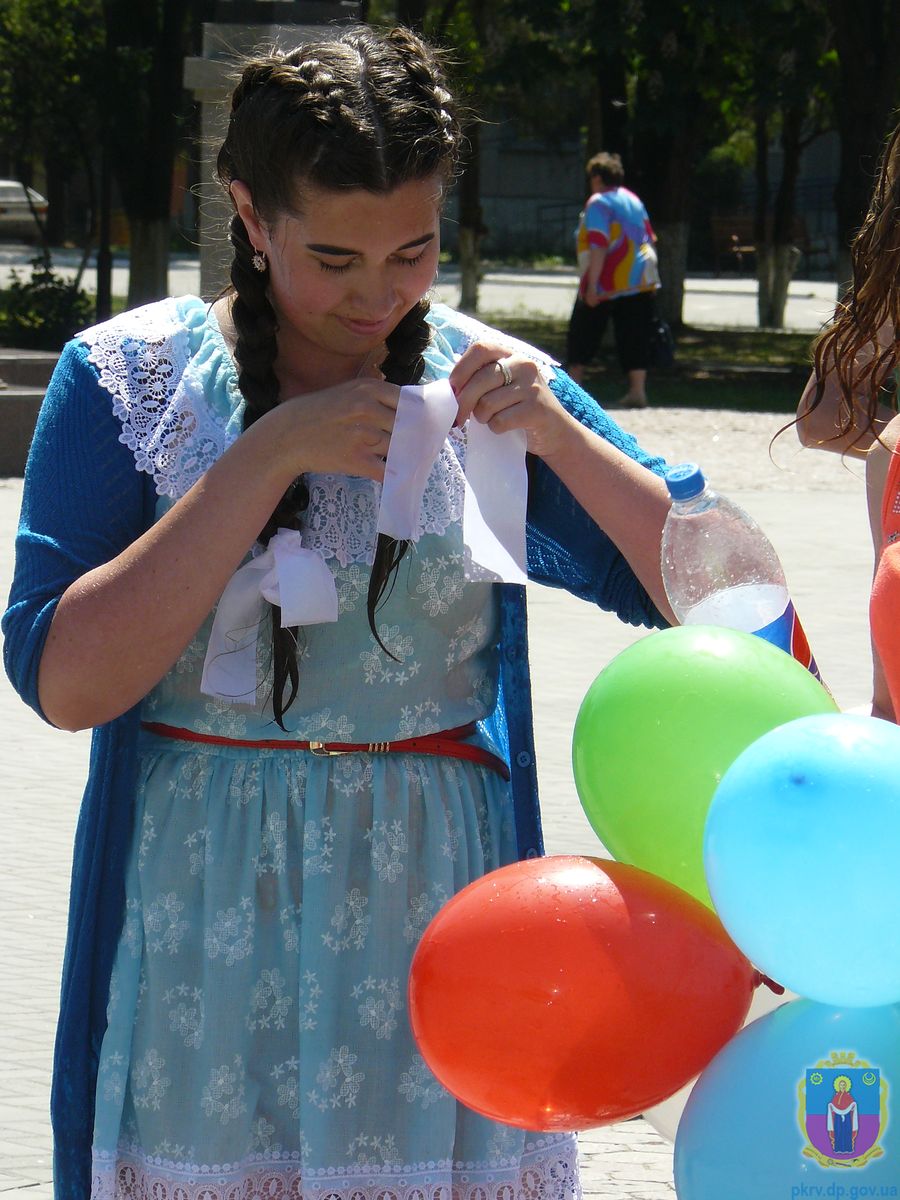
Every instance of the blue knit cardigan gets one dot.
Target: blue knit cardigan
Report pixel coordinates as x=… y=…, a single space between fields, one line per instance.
x=84 y=502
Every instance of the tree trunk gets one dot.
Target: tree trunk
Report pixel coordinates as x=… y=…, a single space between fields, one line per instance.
x=867 y=39
x=612 y=91
x=672 y=249
x=761 y=228
x=57 y=205
x=148 y=277
x=765 y=271
x=785 y=257
x=664 y=173
x=146 y=42
x=784 y=253
x=594 y=118
x=470 y=271
x=471 y=226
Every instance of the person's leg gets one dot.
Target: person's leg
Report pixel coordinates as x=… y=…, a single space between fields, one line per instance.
x=631 y=322
x=636 y=396
x=584 y=335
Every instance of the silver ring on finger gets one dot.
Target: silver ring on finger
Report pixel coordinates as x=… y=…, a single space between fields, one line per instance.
x=505 y=372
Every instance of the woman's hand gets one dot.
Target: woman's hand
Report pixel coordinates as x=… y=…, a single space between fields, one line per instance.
x=345 y=430
x=505 y=391
x=626 y=500
x=121 y=626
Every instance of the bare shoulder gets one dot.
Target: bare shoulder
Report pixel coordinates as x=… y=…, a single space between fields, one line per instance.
x=891 y=434
x=881 y=451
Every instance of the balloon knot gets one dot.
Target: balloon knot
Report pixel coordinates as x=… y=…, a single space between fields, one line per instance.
x=777 y=988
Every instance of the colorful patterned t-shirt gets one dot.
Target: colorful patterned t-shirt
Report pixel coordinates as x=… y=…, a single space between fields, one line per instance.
x=617 y=221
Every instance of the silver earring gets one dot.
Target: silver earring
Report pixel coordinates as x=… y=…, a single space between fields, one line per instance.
x=259 y=261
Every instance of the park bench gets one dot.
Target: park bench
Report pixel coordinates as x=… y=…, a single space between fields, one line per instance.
x=733 y=240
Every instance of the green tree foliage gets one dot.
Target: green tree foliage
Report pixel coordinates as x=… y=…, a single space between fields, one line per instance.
x=49 y=66
x=43 y=312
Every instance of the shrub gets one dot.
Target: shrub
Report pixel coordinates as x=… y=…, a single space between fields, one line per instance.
x=43 y=312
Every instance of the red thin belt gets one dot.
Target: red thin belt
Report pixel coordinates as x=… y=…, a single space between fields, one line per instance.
x=448 y=742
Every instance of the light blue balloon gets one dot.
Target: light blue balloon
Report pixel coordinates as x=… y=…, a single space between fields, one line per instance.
x=756 y=1124
x=802 y=857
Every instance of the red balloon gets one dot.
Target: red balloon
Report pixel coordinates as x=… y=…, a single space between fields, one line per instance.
x=562 y=993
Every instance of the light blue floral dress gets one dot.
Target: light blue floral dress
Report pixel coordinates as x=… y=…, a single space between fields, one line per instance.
x=258 y=1041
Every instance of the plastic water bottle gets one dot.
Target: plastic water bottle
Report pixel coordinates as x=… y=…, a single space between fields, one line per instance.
x=719 y=568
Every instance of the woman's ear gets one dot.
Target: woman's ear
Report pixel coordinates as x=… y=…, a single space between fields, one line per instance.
x=243 y=203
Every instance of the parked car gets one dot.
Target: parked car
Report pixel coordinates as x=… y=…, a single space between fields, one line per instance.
x=16 y=218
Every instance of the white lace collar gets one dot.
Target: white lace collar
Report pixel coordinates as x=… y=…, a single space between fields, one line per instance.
x=174 y=388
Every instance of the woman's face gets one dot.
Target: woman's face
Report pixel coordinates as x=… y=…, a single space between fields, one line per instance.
x=343 y=273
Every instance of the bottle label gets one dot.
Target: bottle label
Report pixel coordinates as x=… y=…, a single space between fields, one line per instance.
x=787 y=633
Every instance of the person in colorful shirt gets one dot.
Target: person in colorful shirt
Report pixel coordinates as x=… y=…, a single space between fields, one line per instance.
x=616 y=249
x=310 y=731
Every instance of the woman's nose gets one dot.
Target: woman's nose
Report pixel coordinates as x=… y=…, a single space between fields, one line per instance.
x=376 y=296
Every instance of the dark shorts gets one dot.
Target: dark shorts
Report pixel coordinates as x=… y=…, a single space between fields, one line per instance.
x=631 y=316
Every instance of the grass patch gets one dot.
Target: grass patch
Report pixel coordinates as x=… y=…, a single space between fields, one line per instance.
x=754 y=370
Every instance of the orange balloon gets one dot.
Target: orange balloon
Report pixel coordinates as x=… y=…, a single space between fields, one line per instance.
x=562 y=993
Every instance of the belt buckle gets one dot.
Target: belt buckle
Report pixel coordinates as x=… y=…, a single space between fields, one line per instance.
x=320 y=750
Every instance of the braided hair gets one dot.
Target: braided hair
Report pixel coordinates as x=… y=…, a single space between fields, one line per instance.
x=873 y=302
x=363 y=110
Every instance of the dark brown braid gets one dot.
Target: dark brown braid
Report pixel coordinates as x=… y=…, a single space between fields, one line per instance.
x=404 y=364
x=255 y=351
x=363 y=110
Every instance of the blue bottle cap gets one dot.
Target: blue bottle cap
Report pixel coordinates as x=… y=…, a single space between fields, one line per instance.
x=684 y=481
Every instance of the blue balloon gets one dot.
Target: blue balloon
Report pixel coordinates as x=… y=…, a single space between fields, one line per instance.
x=802 y=857
x=802 y=1099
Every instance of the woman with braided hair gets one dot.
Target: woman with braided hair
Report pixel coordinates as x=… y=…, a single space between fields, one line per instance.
x=307 y=674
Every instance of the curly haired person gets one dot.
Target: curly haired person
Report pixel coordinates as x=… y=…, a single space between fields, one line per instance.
x=849 y=406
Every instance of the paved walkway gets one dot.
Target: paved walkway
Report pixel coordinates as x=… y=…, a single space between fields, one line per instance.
x=813 y=509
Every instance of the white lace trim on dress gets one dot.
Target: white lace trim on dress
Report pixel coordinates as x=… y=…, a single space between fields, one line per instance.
x=341 y=519
x=547 y=1170
x=145 y=363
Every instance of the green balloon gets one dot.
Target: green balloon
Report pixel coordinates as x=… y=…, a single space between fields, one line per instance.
x=661 y=725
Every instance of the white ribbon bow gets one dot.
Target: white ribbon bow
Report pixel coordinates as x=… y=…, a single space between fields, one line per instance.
x=300 y=581
x=285 y=573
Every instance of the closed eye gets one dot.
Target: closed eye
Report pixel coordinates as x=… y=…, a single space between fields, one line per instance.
x=411 y=262
x=340 y=268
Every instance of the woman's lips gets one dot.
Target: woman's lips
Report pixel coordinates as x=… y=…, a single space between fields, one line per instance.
x=367 y=328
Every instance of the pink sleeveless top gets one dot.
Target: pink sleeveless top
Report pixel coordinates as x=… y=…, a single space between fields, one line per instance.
x=884 y=606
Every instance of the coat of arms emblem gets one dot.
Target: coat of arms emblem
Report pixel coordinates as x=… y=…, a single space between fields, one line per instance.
x=843 y=1110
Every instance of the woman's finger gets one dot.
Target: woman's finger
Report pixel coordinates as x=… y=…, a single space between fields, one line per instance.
x=496 y=375
x=476 y=356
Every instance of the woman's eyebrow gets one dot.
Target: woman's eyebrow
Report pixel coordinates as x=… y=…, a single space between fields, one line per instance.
x=321 y=248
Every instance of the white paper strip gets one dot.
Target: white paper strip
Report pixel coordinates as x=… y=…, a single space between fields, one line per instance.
x=496 y=501
x=424 y=417
x=286 y=573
